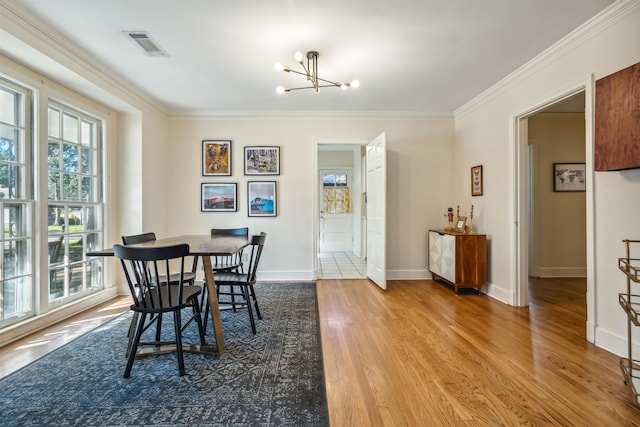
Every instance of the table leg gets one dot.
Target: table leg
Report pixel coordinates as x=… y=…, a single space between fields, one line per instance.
x=213 y=303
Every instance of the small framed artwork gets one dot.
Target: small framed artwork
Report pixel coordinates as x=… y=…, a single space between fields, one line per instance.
x=216 y=158
x=461 y=225
x=219 y=197
x=569 y=177
x=476 y=181
x=262 y=160
x=261 y=197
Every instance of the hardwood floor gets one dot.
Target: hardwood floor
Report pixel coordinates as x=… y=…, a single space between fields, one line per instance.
x=419 y=355
x=19 y=353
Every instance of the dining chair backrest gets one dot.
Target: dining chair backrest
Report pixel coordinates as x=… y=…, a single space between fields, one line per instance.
x=256 y=243
x=229 y=262
x=240 y=231
x=146 y=273
x=150 y=237
x=138 y=238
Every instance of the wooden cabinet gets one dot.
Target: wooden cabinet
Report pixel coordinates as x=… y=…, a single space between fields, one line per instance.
x=458 y=259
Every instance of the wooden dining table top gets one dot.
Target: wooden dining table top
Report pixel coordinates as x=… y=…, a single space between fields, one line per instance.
x=199 y=244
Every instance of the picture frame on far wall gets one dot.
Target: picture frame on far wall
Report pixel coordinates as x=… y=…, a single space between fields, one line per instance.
x=569 y=177
x=216 y=157
x=476 y=181
x=219 y=197
x=264 y=160
x=261 y=198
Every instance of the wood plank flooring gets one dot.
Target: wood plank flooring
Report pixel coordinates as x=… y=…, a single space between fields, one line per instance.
x=418 y=355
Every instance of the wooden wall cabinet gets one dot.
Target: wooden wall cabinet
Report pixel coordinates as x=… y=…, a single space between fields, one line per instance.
x=617 y=120
x=458 y=259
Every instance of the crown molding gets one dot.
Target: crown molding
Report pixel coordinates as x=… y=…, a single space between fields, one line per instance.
x=293 y=115
x=586 y=31
x=28 y=28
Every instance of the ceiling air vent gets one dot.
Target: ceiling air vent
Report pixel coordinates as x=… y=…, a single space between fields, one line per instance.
x=142 y=39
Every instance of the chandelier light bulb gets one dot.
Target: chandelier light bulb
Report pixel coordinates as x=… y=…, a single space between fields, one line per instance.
x=298 y=57
x=278 y=67
x=355 y=83
x=279 y=89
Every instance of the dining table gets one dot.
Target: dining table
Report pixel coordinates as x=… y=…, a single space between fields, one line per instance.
x=204 y=246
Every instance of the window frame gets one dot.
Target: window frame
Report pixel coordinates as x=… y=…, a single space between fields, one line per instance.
x=24 y=201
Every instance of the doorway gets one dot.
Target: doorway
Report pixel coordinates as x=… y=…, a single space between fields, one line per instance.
x=341 y=243
x=540 y=251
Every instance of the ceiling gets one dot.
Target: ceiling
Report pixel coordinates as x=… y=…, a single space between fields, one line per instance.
x=409 y=55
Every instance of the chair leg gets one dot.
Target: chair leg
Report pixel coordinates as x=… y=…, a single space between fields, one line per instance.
x=177 y=321
x=206 y=307
x=245 y=292
x=134 y=346
x=255 y=303
x=198 y=316
x=159 y=328
x=132 y=331
x=233 y=298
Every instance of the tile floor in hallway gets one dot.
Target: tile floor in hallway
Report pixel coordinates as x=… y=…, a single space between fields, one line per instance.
x=341 y=265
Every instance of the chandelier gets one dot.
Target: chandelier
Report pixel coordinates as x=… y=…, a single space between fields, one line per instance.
x=311 y=73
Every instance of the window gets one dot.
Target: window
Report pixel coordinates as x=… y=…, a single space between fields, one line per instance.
x=74 y=213
x=336 y=197
x=16 y=260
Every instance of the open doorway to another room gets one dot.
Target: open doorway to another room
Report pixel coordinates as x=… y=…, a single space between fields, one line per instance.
x=557 y=214
x=342 y=212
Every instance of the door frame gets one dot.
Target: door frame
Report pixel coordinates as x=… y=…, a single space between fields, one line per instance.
x=519 y=259
x=315 y=185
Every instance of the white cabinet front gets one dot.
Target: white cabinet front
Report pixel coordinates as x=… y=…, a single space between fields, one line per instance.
x=442 y=255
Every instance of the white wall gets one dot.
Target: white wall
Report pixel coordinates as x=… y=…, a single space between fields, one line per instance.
x=485 y=135
x=419 y=183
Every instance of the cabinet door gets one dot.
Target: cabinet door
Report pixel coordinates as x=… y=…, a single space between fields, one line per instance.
x=435 y=252
x=448 y=257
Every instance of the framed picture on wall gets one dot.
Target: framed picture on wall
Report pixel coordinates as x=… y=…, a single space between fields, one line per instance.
x=476 y=181
x=216 y=158
x=569 y=177
x=261 y=198
x=218 y=197
x=262 y=160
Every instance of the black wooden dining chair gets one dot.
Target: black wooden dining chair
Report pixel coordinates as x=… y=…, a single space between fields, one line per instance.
x=225 y=263
x=146 y=269
x=189 y=278
x=238 y=285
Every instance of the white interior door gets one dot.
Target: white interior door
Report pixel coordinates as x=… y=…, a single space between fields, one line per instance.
x=335 y=233
x=376 y=211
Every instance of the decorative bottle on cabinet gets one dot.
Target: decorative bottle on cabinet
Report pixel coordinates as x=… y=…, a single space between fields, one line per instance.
x=458 y=259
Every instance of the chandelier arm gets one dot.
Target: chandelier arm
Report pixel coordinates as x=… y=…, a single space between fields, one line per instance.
x=309 y=87
x=300 y=88
x=327 y=81
x=297 y=72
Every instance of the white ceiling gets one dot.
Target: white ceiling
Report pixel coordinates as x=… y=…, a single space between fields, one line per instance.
x=409 y=55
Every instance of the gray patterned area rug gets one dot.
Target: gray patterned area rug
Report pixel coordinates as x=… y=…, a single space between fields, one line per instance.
x=273 y=378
